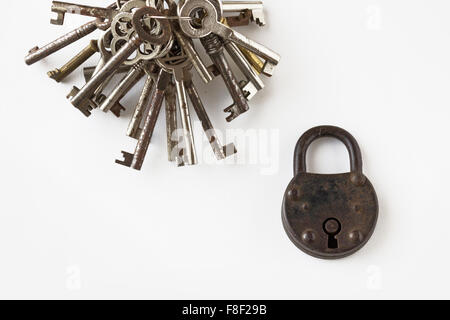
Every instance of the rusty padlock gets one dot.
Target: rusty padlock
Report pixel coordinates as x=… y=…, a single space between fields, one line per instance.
x=329 y=216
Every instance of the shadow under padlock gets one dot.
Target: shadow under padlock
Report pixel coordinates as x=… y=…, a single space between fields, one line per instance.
x=329 y=216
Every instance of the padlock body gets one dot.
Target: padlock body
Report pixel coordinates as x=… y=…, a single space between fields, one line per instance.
x=329 y=216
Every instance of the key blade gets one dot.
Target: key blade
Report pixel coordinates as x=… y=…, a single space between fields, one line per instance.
x=127 y=159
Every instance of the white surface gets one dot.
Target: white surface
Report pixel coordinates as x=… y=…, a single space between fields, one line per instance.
x=75 y=225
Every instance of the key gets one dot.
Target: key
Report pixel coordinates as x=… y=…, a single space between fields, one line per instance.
x=211 y=25
x=255 y=7
x=60 y=74
x=136 y=160
x=134 y=128
x=175 y=63
x=82 y=99
x=172 y=125
x=61 y=8
x=36 y=54
x=126 y=84
x=253 y=84
x=221 y=152
x=193 y=55
x=214 y=48
x=98 y=96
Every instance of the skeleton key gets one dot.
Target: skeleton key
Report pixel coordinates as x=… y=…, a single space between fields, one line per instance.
x=220 y=151
x=61 y=8
x=81 y=99
x=126 y=84
x=214 y=47
x=136 y=160
x=255 y=7
x=175 y=63
x=134 y=128
x=60 y=74
x=36 y=54
x=99 y=97
x=172 y=125
x=211 y=25
x=254 y=84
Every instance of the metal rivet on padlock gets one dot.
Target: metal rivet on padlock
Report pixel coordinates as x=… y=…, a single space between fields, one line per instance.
x=329 y=216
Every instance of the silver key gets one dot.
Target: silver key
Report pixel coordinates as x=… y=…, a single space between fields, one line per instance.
x=221 y=152
x=175 y=63
x=82 y=99
x=126 y=84
x=36 y=54
x=98 y=97
x=214 y=47
x=134 y=128
x=136 y=160
x=172 y=125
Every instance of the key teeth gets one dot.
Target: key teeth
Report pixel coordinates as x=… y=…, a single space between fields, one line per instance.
x=55 y=74
x=234 y=112
x=268 y=69
x=248 y=89
x=86 y=111
x=233 y=115
x=180 y=163
x=117 y=109
x=229 y=150
x=260 y=22
x=127 y=159
x=59 y=21
x=85 y=108
x=259 y=18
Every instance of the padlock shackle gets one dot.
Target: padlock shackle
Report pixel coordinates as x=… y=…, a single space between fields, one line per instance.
x=313 y=134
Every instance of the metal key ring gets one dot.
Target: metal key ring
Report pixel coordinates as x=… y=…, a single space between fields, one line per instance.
x=166 y=30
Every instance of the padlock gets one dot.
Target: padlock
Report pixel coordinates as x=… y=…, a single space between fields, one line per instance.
x=329 y=216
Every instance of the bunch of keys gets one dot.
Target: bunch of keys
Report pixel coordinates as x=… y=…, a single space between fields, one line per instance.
x=158 y=40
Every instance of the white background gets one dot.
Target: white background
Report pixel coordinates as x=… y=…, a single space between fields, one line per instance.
x=75 y=225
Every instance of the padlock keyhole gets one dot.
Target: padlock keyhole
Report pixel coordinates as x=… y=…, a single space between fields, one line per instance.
x=332 y=227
